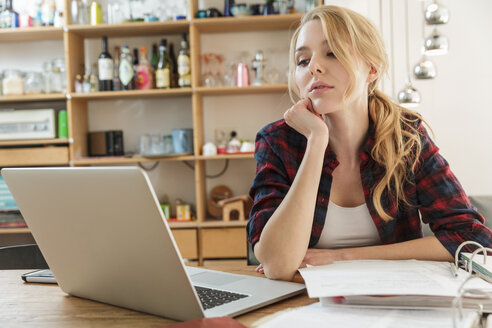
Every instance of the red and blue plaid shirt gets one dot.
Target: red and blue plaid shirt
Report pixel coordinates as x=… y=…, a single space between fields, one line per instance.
x=435 y=191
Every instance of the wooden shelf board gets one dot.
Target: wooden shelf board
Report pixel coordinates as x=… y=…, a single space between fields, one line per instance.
x=32 y=142
x=247 y=24
x=231 y=156
x=14 y=230
x=221 y=224
x=183 y=225
x=111 y=95
x=225 y=91
x=39 y=97
x=130 y=29
x=24 y=34
x=127 y=160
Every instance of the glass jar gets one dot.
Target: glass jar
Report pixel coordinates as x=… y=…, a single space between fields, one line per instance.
x=34 y=83
x=12 y=83
x=59 y=66
x=48 y=77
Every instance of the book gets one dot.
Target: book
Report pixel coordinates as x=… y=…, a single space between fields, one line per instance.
x=481 y=264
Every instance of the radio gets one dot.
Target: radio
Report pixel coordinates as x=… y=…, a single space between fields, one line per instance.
x=27 y=124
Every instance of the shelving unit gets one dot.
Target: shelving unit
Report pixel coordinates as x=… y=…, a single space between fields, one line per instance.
x=203 y=238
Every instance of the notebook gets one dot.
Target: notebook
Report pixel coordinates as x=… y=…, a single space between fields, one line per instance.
x=481 y=265
x=105 y=238
x=392 y=284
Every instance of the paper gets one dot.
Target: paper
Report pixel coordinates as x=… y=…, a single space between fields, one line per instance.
x=316 y=315
x=478 y=264
x=379 y=277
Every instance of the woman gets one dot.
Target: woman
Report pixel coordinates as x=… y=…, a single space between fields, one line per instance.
x=346 y=173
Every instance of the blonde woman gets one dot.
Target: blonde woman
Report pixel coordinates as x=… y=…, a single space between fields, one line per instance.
x=346 y=173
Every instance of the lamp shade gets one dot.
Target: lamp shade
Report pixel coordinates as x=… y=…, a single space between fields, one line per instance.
x=436 y=44
x=424 y=69
x=436 y=14
x=409 y=96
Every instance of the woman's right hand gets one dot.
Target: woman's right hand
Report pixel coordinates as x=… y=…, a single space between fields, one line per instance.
x=302 y=118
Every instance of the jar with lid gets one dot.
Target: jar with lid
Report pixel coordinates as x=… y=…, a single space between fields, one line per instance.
x=34 y=83
x=52 y=78
x=12 y=83
x=59 y=66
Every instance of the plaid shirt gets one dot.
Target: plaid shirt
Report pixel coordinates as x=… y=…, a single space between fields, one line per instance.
x=435 y=191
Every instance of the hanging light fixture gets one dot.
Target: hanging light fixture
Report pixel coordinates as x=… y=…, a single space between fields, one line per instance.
x=436 y=44
x=436 y=14
x=409 y=96
x=424 y=69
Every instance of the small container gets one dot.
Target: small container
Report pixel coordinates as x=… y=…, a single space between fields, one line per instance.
x=166 y=209
x=62 y=124
x=34 y=83
x=12 y=83
x=242 y=76
x=96 y=13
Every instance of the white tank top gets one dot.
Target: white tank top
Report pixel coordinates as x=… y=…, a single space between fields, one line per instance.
x=348 y=227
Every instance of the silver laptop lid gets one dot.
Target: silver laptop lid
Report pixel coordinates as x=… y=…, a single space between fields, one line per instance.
x=104 y=237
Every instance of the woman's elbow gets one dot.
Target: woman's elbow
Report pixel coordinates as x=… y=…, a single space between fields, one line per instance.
x=276 y=273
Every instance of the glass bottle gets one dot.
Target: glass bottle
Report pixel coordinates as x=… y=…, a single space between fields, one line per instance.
x=126 y=69
x=34 y=83
x=48 y=77
x=48 y=9
x=116 y=69
x=59 y=75
x=93 y=80
x=12 y=83
x=155 y=57
x=96 y=13
x=8 y=17
x=145 y=74
x=184 y=67
x=163 y=74
x=105 y=67
x=74 y=11
x=86 y=84
x=135 y=64
x=174 y=66
x=84 y=13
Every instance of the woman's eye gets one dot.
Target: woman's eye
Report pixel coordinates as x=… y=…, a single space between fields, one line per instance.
x=330 y=54
x=303 y=62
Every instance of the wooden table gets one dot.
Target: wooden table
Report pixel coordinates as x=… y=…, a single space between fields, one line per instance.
x=46 y=305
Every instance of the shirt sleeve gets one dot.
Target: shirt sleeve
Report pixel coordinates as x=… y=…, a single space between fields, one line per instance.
x=443 y=202
x=269 y=188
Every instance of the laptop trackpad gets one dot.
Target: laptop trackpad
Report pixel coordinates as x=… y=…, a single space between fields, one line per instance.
x=216 y=279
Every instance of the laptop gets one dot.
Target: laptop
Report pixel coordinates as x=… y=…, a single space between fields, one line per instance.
x=105 y=238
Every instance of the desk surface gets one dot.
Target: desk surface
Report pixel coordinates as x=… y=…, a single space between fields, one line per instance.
x=46 y=305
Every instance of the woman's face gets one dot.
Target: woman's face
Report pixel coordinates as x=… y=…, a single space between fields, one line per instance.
x=319 y=74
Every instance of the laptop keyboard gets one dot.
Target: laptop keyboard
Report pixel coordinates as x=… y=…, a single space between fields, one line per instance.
x=213 y=297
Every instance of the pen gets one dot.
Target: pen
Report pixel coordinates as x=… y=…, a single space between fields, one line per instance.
x=454 y=270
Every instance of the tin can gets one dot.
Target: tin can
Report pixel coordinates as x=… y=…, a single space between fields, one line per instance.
x=183 y=212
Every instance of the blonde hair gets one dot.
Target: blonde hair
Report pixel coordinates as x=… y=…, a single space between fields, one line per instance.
x=397 y=144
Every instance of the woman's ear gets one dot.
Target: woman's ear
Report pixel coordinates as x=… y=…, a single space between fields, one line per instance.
x=373 y=74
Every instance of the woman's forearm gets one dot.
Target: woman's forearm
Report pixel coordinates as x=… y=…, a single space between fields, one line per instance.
x=428 y=248
x=285 y=238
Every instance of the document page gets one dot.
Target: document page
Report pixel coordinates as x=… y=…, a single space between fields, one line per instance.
x=317 y=315
x=380 y=277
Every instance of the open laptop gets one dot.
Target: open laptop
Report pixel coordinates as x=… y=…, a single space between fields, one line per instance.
x=104 y=237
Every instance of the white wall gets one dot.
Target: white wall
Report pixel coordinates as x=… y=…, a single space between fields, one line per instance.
x=455 y=103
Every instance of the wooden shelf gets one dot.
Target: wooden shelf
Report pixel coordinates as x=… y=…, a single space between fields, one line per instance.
x=183 y=225
x=14 y=230
x=127 y=160
x=222 y=224
x=225 y=91
x=130 y=29
x=230 y=156
x=247 y=24
x=111 y=95
x=24 y=34
x=33 y=142
x=34 y=156
x=28 y=98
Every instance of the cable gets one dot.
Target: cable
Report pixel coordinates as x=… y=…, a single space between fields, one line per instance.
x=148 y=169
x=211 y=176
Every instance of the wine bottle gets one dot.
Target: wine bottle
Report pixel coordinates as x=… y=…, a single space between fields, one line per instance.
x=184 y=67
x=174 y=66
x=105 y=66
x=126 y=69
x=163 y=74
x=155 y=57
x=116 y=69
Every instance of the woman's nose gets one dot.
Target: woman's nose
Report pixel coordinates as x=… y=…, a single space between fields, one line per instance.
x=315 y=66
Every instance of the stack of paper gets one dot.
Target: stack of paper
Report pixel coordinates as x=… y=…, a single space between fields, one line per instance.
x=316 y=315
x=401 y=284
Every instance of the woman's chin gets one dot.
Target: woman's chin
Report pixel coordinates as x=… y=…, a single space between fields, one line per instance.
x=322 y=107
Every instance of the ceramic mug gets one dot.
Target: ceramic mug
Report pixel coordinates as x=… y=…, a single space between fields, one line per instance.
x=182 y=140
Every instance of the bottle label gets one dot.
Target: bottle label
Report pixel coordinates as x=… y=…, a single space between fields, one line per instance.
x=184 y=81
x=142 y=80
x=105 y=67
x=162 y=78
x=126 y=72
x=183 y=65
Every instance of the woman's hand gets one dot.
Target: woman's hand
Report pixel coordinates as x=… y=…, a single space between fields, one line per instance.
x=259 y=269
x=316 y=256
x=302 y=118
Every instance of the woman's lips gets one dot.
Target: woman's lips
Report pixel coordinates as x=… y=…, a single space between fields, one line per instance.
x=320 y=90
